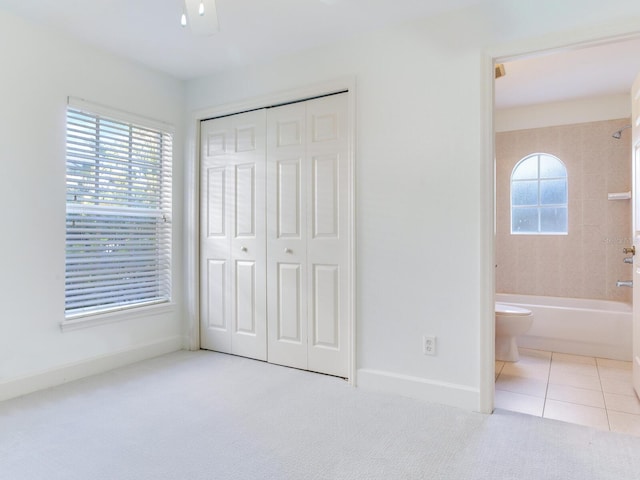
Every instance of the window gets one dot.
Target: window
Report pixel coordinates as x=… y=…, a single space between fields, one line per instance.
x=118 y=228
x=539 y=196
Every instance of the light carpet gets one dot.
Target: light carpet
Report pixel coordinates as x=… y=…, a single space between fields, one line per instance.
x=204 y=415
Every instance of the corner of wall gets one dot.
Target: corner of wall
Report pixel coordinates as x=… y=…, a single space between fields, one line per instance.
x=92 y=366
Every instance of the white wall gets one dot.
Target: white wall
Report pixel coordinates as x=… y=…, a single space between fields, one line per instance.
x=403 y=174
x=39 y=71
x=423 y=192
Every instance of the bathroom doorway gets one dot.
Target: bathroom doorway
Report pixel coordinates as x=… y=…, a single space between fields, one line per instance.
x=540 y=108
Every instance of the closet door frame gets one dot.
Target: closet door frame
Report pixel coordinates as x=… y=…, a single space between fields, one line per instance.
x=192 y=187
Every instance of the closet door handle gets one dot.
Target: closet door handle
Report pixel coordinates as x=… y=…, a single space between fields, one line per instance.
x=288 y=250
x=244 y=249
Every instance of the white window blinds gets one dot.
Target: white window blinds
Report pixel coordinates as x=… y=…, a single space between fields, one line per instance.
x=118 y=225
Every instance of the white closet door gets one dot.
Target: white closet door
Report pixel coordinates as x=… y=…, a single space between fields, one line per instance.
x=286 y=235
x=232 y=239
x=328 y=235
x=308 y=235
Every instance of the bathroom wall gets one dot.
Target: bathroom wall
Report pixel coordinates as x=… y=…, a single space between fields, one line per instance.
x=587 y=262
x=564 y=112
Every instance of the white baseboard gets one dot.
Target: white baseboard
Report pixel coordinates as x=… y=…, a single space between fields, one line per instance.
x=91 y=366
x=460 y=396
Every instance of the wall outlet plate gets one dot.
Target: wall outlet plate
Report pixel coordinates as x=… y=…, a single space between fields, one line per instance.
x=429 y=344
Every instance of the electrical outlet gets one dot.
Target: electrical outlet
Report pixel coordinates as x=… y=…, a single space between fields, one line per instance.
x=429 y=344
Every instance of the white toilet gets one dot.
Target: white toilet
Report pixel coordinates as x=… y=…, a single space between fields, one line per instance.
x=510 y=322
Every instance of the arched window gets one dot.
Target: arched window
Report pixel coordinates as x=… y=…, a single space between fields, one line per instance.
x=539 y=195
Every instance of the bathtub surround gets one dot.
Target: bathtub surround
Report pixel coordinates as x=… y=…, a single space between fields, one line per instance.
x=587 y=262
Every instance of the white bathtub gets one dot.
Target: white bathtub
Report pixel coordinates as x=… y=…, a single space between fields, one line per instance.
x=599 y=328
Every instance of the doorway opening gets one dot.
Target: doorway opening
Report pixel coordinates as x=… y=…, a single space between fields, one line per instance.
x=568 y=104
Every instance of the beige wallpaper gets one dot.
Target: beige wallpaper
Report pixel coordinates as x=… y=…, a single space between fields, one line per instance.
x=588 y=261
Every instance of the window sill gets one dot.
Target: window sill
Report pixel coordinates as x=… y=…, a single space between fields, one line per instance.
x=91 y=320
x=540 y=234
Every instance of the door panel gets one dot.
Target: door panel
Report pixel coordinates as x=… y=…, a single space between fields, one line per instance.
x=215 y=311
x=326 y=307
x=328 y=241
x=233 y=157
x=248 y=243
x=290 y=316
x=246 y=137
x=288 y=201
x=216 y=141
x=289 y=132
x=215 y=273
x=324 y=196
x=245 y=199
x=286 y=232
x=307 y=198
x=215 y=199
x=324 y=124
x=245 y=300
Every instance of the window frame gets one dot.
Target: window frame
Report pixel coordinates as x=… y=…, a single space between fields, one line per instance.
x=538 y=206
x=161 y=211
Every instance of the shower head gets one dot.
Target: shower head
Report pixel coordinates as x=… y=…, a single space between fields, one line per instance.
x=618 y=134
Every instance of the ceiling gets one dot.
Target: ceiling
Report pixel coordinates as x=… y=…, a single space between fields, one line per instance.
x=255 y=31
x=570 y=74
x=251 y=31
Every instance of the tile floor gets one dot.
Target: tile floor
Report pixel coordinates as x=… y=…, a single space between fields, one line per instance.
x=586 y=390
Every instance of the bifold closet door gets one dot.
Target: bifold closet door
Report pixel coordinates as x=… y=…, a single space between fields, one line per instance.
x=232 y=235
x=328 y=235
x=308 y=235
x=287 y=173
